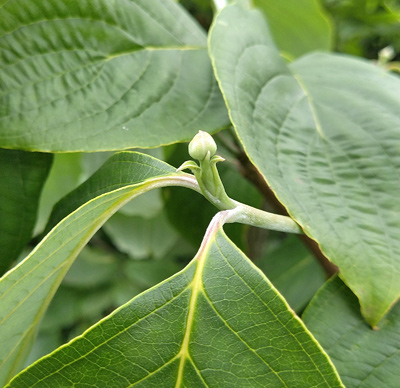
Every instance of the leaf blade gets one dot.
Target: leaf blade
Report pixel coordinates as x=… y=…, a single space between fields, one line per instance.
x=364 y=357
x=95 y=76
x=185 y=314
x=319 y=167
x=26 y=291
x=22 y=176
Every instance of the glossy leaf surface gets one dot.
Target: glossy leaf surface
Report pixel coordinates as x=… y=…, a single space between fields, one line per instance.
x=22 y=176
x=324 y=132
x=298 y=26
x=217 y=323
x=87 y=75
x=26 y=291
x=365 y=358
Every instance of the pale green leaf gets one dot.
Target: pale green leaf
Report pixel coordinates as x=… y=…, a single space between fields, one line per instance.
x=22 y=176
x=217 y=323
x=44 y=344
x=63 y=177
x=81 y=75
x=324 y=132
x=26 y=291
x=148 y=205
x=94 y=267
x=143 y=274
x=365 y=358
x=298 y=26
x=141 y=237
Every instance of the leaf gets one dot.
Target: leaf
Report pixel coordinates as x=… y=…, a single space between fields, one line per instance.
x=97 y=282
x=147 y=205
x=118 y=171
x=140 y=237
x=26 y=291
x=22 y=176
x=63 y=178
x=44 y=344
x=217 y=323
x=328 y=143
x=81 y=75
x=365 y=358
x=143 y=274
x=298 y=26
x=294 y=271
x=93 y=267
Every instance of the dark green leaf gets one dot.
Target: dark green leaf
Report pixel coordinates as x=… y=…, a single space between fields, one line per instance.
x=22 y=176
x=365 y=358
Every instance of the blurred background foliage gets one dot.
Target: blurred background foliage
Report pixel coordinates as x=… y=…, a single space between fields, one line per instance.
x=365 y=27
x=157 y=234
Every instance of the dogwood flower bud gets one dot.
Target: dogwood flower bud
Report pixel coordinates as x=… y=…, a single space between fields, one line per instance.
x=201 y=145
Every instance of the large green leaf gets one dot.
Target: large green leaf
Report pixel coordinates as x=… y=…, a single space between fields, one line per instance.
x=325 y=134
x=218 y=323
x=365 y=358
x=298 y=26
x=22 y=176
x=26 y=291
x=103 y=75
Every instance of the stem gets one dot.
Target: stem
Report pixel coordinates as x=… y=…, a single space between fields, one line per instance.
x=239 y=212
x=251 y=216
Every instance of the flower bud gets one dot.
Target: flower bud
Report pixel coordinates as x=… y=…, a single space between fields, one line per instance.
x=201 y=144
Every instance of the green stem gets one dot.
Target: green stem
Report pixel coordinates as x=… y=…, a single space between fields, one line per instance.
x=240 y=212
x=255 y=217
x=251 y=216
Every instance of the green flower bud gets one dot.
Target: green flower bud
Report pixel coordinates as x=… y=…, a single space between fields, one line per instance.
x=201 y=145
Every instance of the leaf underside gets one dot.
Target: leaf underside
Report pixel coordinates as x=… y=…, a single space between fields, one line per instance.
x=217 y=323
x=324 y=132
